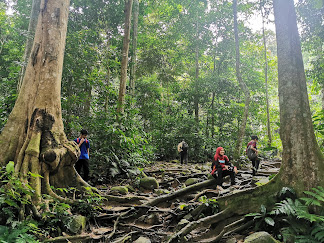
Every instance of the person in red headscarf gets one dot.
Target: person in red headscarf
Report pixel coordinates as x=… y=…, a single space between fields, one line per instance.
x=223 y=167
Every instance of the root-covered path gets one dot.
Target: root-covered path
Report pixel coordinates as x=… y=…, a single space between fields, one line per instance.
x=182 y=208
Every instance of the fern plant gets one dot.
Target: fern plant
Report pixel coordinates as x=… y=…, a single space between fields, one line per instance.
x=304 y=217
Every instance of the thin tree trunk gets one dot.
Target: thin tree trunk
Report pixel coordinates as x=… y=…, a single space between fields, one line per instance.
x=107 y=83
x=243 y=87
x=303 y=162
x=30 y=39
x=134 y=47
x=124 y=62
x=196 y=98
x=213 y=116
x=266 y=77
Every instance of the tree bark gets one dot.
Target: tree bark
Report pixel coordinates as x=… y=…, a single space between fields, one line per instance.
x=196 y=98
x=123 y=75
x=34 y=136
x=243 y=87
x=134 y=47
x=266 y=77
x=303 y=162
x=30 y=39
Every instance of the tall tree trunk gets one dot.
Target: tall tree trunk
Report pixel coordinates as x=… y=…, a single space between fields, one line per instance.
x=243 y=87
x=34 y=136
x=303 y=162
x=30 y=39
x=123 y=75
x=134 y=47
x=266 y=76
x=196 y=98
x=213 y=115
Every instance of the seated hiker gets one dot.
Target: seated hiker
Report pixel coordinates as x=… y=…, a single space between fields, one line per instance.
x=222 y=167
x=252 y=153
x=183 y=150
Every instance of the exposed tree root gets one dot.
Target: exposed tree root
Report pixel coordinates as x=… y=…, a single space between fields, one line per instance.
x=74 y=238
x=179 y=236
x=181 y=192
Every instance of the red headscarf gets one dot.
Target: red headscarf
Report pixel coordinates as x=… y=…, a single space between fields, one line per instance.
x=220 y=157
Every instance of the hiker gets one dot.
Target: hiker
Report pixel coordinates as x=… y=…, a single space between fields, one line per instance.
x=183 y=150
x=222 y=167
x=83 y=161
x=252 y=152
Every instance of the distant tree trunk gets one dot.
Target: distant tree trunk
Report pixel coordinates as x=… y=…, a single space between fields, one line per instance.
x=124 y=63
x=134 y=48
x=196 y=98
x=30 y=39
x=266 y=77
x=34 y=135
x=243 y=87
x=107 y=79
x=213 y=115
x=303 y=162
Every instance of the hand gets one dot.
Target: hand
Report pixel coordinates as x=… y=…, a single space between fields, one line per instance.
x=235 y=170
x=82 y=140
x=226 y=167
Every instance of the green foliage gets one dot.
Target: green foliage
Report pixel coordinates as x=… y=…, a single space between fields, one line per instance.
x=14 y=196
x=210 y=202
x=295 y=220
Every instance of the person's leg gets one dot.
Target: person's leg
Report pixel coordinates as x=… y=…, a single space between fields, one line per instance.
x=86 y=169
x=253 y=167
x=78 y=166
x=257 y=163
x=232 y=175
x=181 y=157
x=220 y=177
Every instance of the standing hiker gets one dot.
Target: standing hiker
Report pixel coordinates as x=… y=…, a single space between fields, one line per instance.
x=222 y=167
x=83 y=161
x=252 y=153
x=183 y=150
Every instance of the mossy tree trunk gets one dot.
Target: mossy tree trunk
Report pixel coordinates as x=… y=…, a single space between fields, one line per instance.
x=34 y=137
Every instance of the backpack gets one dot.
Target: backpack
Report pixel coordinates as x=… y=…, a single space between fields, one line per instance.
x=251 y=154
x=184 y=147
x=78 y=140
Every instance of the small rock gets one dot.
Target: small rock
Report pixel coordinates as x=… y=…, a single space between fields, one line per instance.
x=149 y=183
x=119 y=189
x=153 y=219
x=76 y=224
x=260 y=237
x=191 y=181
x=142 y=240
x=175 y=161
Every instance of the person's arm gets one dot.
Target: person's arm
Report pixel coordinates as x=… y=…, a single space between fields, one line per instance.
x=253 y=148
x=88 y=152
x=81 y=142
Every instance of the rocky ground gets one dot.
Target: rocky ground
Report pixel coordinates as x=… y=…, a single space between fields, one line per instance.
x=167 y=198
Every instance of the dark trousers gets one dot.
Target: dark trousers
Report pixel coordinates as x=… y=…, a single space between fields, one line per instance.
x=222 y=173
x=183 y=157
x=83 y=163
x=255 y=164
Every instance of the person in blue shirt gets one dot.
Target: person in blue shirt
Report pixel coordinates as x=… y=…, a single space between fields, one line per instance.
x=83 y=161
